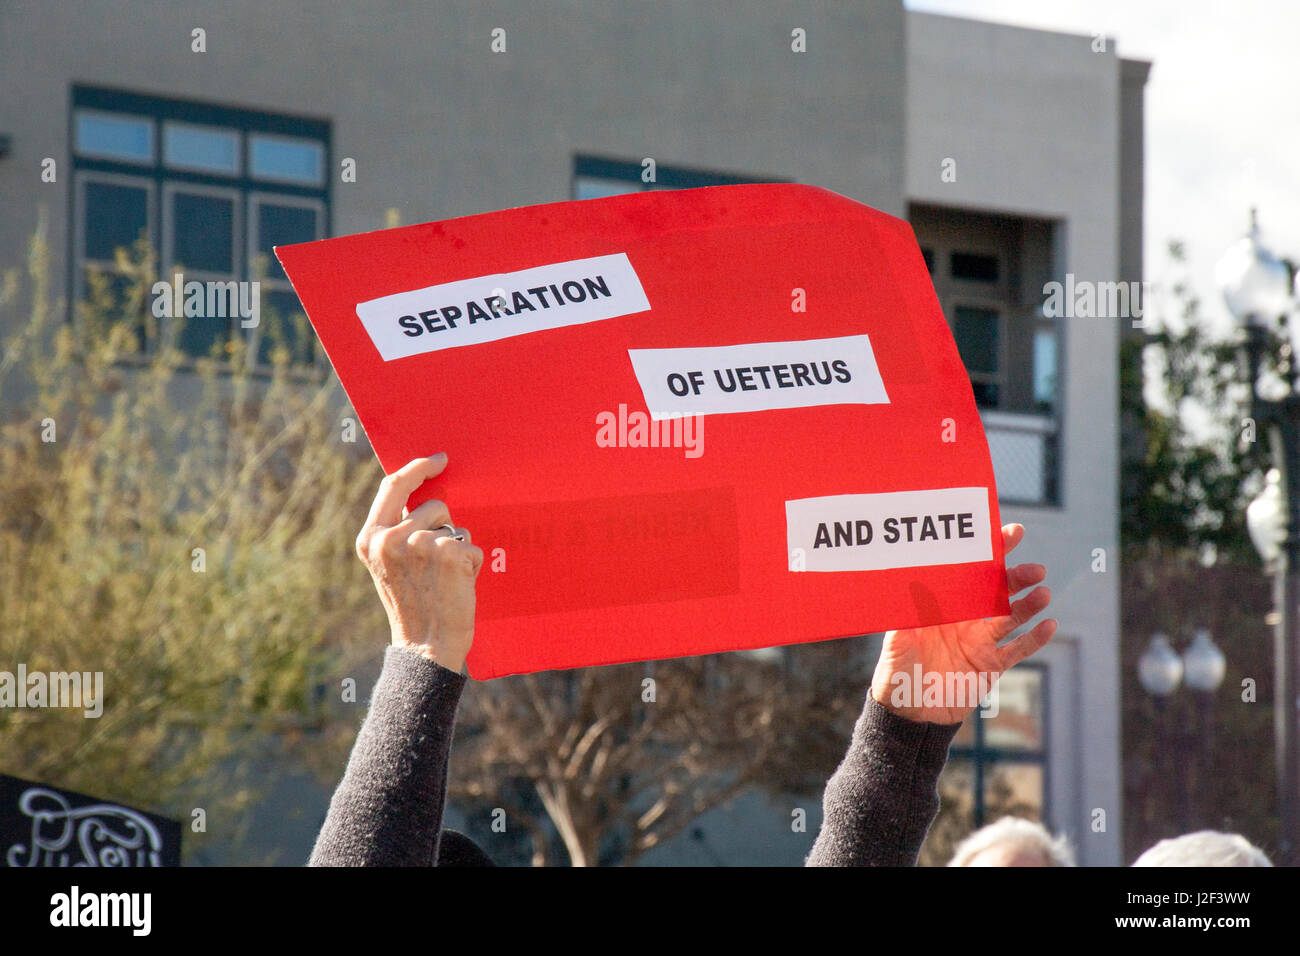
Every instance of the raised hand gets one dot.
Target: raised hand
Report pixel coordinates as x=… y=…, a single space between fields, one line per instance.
x=965 y=652
x=423 y=572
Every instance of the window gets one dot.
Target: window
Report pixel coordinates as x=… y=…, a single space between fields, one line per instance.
x=988 y=272
x=595 y=177
x=974 y=266
x=117 y=211
x=212 y=190
x=280 y=221
x=207 y=149
x=1045 y=369
x=207 y=251
x=106 y=136
x=287 y=160
x=978 y=333
x=997 y=765
x=976 y=300
x=201 y=240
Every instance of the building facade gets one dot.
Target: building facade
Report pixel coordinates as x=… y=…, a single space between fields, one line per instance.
x=217 y=133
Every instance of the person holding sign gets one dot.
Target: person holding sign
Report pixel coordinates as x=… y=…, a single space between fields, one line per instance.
x=879 y=804
x=387 y=811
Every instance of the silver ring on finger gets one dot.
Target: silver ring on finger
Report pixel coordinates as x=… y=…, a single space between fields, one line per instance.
x=452 y=531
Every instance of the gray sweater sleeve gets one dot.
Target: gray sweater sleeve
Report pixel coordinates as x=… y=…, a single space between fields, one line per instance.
x=387 y=811
x=884 y=796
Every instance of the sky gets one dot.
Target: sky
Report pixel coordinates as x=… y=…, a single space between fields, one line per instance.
x=1222 y=116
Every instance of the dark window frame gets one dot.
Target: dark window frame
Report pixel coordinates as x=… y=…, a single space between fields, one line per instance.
x=999 y=271
x=942 y=230
x=164 y=180
x=983 y=757
x=587 y=166
x=998 y=377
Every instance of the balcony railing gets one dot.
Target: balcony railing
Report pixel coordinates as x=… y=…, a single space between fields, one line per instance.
x=1023 y=448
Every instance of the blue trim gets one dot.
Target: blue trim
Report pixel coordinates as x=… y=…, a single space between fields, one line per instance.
x=244 y=121
x=673 y=177
x=197 y=111
x=171 y=174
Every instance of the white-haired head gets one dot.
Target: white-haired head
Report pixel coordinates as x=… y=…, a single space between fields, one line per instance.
x=1012 y=841
x=1204 y=848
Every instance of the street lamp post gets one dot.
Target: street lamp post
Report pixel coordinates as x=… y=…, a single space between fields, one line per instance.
x=1257 y=289
x=1160 y=671
x=1201 y=667
x=1204 y=667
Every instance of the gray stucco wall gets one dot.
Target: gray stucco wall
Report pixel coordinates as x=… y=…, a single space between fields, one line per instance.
x=440 y=126
x=998 y=99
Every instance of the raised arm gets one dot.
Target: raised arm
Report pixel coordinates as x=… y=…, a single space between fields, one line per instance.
x=881 y=801
x=387 y=811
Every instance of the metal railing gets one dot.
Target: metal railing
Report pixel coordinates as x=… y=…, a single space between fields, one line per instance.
x=1023 y=447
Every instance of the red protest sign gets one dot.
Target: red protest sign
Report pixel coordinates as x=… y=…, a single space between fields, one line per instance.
x=678 y=422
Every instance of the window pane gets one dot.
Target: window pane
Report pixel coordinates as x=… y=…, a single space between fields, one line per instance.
x=1019 y=721
x=115 y=216
x=1013 y=789
x=115 y=137
x=197 y=147
x=204 y=336
x=986 y=394
x=283 y=324
x=956 y=816
x=203 y=232
x=295 y=160
x=976 y=332
x=1045 y=369
x=588 y=187
x=974 y=266
x=282 y=226
x=118 y=299
x=966 y=732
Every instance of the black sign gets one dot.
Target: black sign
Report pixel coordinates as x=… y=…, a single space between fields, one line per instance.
x=45 y=826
